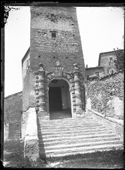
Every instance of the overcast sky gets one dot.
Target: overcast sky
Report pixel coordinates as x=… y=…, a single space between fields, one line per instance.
x=101 y=30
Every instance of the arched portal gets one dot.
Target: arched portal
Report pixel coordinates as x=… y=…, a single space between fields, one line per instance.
x=59 y=99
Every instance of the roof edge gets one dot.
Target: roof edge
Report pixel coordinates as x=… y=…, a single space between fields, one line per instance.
x=93 y=67
x=28 y=51
x=13 y=95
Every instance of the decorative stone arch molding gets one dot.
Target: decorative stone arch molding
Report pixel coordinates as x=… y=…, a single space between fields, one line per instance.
x=60 y=74
x=43 y=79
x=66 y=76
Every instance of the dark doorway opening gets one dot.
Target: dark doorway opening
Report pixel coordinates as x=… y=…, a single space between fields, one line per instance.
x=55 y=99
x=59 y=99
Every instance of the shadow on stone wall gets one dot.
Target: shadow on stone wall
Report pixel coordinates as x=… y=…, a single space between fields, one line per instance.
x=42 y=153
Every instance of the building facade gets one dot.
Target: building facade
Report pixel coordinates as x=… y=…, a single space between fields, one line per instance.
x=107 y=60
x=94 y=72
x=53 y=67
x=106 y=64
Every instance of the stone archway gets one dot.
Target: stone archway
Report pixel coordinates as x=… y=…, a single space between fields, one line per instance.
x=59 y=99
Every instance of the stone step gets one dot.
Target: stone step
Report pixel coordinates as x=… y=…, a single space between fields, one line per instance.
x=72 y=130
x=69 y=136
x=82 y=150
x=79 y=140
x=66 y=121
x=63 y=138
x=77 y=133
x=56 y=126
x=69 y=125
x=61 y=125
x=79 y=144
x=46 y=126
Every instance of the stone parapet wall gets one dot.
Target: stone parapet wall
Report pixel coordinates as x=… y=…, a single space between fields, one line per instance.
x=116 y=126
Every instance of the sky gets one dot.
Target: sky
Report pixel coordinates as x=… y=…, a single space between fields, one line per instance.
x=101 y=30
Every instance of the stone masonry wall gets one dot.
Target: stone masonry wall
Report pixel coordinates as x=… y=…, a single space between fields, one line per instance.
x=28 y=90
x=106 y=95
x=107 y=61
x=65 y=46
x=12 y=115
x=54 y=39
x=95 y=71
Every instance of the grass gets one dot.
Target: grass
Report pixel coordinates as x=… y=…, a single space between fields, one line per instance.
x=109 y=159
x=13 y=157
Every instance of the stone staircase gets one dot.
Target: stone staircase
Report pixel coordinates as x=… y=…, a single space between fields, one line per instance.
x=63 y=137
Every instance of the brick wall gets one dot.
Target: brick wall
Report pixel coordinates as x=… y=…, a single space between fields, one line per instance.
x=104 y=92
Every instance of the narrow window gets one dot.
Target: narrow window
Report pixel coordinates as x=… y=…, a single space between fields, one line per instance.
x=53 y=34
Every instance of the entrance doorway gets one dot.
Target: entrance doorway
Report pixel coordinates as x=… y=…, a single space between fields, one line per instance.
x=59 y=99
x=55 y=98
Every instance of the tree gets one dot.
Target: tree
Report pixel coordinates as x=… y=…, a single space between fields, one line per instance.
x=6 y=10
x=119 y=62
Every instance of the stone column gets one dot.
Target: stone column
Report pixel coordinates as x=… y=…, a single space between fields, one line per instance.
x=40 y=90
x=77 y=90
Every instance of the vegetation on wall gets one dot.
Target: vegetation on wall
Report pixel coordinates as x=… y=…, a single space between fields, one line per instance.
x=120 y=60
x=102 y=91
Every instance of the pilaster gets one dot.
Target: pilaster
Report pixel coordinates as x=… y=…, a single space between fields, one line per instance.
x=78 y=103
x=40 y=90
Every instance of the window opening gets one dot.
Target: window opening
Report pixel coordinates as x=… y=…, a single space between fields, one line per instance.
x=53 y=34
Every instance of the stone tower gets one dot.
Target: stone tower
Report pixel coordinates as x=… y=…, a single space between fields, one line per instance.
x=53 y=67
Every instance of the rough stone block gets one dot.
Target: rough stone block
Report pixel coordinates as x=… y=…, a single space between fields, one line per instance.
x=31 y=149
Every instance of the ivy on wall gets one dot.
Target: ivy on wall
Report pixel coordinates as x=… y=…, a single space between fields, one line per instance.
x=101 y=92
